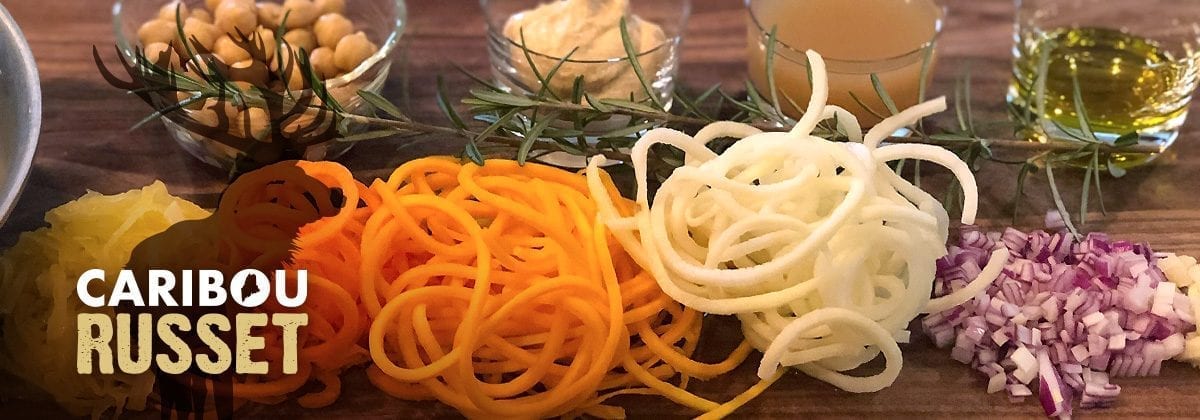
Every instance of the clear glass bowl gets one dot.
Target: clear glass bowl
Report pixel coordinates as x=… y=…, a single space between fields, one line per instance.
x=850 y=85
x=660 y=63
x=608 y=76
x=383 y=22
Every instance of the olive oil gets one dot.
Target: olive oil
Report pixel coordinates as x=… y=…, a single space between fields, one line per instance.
x=1126 y=84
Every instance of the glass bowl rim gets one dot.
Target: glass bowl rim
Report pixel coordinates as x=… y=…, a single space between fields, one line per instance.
x=393 y=38
x=938 y=28
x=497 y=34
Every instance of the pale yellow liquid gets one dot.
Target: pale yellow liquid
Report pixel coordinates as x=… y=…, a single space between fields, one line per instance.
x=879 y=36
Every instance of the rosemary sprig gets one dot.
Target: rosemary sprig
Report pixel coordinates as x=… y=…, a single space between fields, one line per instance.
x=530 y=124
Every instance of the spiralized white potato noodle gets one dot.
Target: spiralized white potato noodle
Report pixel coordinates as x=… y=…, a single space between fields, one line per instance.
x=818 y=247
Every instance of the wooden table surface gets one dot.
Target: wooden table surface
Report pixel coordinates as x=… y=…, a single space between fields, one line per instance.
x=86 y=145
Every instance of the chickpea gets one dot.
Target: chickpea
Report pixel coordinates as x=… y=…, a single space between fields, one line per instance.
x=300 y=13
x=331 y=28
x=290 y=68
x=322 y=62
x=214 y=4
x=297 y=126
x=287 y=60
x=158 y=31
x=270 y=14
x=201 y=32
x=254 y=122
x=330 y=6
x=228 y=50
x=353 y=50
x=167 y=11
x=249 y=123
x=215 y=112
x=162 y=55
x=296 y=80
x=301 y=39
x=233 y=19
x=201 y=15
x=262 y=45
x=249 y=71
x=204 y=117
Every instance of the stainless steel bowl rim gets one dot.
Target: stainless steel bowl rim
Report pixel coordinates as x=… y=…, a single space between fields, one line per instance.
x=26 y=147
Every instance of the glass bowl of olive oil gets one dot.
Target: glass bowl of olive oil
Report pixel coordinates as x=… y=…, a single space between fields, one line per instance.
x=1130 y=68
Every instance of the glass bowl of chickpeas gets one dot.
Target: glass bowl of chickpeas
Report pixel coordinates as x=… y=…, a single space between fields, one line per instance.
x=260 y=47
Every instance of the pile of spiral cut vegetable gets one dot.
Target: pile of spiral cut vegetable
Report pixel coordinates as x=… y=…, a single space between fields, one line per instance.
x=1069 y=313
x=824 y=253
x=38 y=306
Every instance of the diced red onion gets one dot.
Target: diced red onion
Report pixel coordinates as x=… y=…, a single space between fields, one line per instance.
x=1068 y=312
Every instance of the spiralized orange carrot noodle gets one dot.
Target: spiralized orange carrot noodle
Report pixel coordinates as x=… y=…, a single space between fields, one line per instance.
x=319 y=209
x=495 y=290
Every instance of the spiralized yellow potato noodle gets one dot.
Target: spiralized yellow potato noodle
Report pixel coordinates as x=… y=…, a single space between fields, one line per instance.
x=38 y=305
x=821 y=250
x=495 y=290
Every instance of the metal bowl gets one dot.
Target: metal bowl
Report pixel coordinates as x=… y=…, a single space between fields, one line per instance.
x=20 y=111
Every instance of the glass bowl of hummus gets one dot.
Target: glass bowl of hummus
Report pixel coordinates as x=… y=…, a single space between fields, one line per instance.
x=348 y=43
x=527 y=38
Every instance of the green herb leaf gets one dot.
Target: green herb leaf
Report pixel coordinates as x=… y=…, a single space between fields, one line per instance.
x=707 y=93
x=1127 y=139
x=447 y=109
x=1095 y=167
x=1019 y=192
x=382 y=104
x=597 y=105
x=926 y=62
x=959 y=111
x=883 y=95
x=966 y=97
x=577 y=90
x=554 y=70
x=1058 y=201
x=629 y=131
x=166 y=110
x=1083 y=199
x=758 y=103
x=770 y=67
x=1070 y=132
x=1039 y=84
x=529 y=59
x=1114 y=170
x=533 y=135
x=952 y=137
x=566 y=146
x=491 y=128
x=1085 y=125
x=621 y=103
x=478 y=80
x=370 y=135
x=865 y=106
x=632 y=54
x=472 y=152
x=503 y=98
